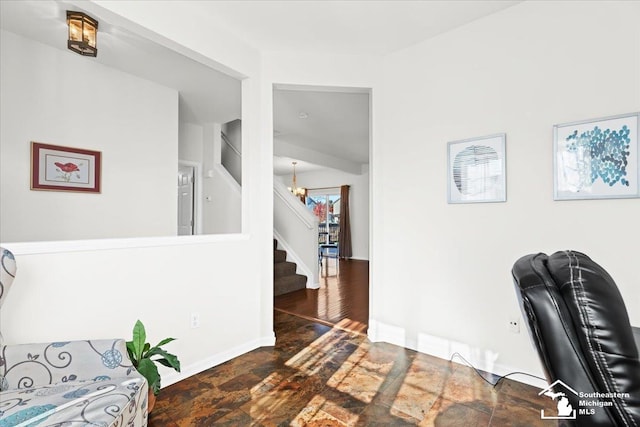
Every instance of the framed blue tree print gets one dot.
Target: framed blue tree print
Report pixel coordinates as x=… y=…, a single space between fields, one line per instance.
x=597 y=159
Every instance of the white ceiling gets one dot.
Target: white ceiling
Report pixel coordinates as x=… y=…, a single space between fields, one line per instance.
x=284 y=166
x=205 y=95
x=337 y=123
x=349 y=27
x=333 y=123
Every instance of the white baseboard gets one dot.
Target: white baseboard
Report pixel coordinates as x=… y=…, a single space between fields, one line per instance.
x=217 y=359
x=444 y=348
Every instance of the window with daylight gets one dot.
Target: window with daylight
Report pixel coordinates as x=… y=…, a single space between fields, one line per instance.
x=325 y=205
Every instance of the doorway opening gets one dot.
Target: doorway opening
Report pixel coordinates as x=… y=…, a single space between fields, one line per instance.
x=326 y=132
x=189 y=192
x=186 y=190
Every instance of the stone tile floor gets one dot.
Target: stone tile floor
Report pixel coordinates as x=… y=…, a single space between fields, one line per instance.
x=322 y=376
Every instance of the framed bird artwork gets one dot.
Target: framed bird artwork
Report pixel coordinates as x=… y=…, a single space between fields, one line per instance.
x=58 y=168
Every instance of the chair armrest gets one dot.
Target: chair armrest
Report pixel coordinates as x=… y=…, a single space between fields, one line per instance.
x=33 y=365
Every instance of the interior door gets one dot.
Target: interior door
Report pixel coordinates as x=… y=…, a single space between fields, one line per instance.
x=185 y=200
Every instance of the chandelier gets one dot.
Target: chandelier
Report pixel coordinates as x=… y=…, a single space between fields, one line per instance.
x=295 y=190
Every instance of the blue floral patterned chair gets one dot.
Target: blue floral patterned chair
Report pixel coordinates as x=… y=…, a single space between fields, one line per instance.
x=67 y=383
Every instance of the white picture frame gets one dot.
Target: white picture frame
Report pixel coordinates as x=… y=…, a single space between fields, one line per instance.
x=597 y=158
x=476 y=170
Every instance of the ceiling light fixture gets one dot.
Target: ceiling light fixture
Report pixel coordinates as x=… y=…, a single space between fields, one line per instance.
x=83 y=33
x=302 y=115
x=298 y=192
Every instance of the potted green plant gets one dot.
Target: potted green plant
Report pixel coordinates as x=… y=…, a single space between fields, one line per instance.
x=144 y=359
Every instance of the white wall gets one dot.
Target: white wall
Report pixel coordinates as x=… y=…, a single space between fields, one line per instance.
x=446 y=271
x=221 y=195
x=358 y=202
x=191 y=142
x=90 y=294
x=98 y=288
x=231 y=161
x=296 y=230
x=58 y=97
x=224 y=208
x=348 y=71
x=507 y=72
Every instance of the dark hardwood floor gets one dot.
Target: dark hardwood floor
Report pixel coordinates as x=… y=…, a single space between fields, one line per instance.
x=343 y=297
x=317 y=375
x=327 y=373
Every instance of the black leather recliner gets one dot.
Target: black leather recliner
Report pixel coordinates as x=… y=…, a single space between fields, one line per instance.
x=579 y=325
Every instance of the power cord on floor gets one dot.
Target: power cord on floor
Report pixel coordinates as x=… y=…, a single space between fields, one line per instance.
x=494 y=385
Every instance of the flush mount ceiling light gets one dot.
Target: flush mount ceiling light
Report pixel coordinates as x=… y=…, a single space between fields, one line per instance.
x=303 y=115
x=83 y=33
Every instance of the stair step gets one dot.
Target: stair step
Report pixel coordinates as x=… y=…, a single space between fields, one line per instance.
x=285 y=268
x=291 y=283
x=279 y=256
x=285 y=279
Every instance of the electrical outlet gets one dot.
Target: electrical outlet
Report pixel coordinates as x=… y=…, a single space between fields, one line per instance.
x=514 y=324
x=195 y=320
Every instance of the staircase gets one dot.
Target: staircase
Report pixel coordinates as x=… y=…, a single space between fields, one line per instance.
x=285 y=279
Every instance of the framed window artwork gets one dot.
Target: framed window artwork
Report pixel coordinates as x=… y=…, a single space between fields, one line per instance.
x=64 y=168
x=596 y=159
x=476 y=171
